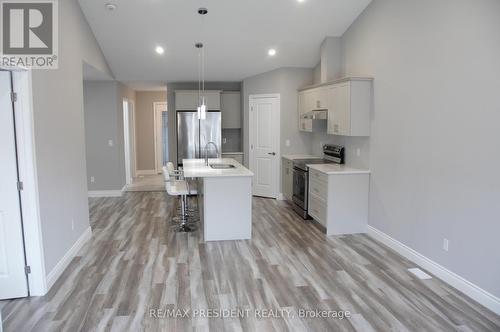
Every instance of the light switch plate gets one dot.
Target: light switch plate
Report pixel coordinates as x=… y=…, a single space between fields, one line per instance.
x=110 y=142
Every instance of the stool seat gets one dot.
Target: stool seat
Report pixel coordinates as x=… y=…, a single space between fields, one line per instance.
x=176 y=187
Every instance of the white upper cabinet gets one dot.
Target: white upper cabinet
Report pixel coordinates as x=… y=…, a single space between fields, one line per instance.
x=319 y=99
x=188 y=100
x=348 y=102
x=231 y=109
x=349 y=108
x=313 y=100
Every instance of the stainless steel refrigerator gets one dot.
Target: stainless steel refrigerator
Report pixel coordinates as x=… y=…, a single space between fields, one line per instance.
x=193 y=135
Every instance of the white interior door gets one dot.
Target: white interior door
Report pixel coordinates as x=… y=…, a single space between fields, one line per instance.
x=159 y=108
x=264 y=144
x=13 y=282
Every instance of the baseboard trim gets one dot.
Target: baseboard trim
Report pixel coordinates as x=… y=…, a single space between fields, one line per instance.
x=105 y=193
x=145 y=172
x=280 y=197
x=475 y=292
x=67 y=258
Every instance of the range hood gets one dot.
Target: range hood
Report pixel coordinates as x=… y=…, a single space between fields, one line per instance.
x=318 y=115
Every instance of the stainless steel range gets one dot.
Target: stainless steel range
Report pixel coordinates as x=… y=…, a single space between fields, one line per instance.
x=332 y=154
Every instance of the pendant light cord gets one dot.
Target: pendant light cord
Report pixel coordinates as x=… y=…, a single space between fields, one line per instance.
x=203 y=68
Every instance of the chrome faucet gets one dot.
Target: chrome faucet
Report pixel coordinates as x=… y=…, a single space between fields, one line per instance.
x=206 y=151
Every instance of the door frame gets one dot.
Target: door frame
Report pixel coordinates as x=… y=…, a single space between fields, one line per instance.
x=158 y=131
x=132 y=162
x=26 y=154
x=277 y=130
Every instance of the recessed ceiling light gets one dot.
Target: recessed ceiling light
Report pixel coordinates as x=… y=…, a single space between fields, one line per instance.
x=271 y=52
x=301 y=0
x=159 y=50
x=110 y=6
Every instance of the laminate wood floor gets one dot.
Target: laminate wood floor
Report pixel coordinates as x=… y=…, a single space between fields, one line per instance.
x=136 y=264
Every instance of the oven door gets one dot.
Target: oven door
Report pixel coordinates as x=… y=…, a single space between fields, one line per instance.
x=300 y=180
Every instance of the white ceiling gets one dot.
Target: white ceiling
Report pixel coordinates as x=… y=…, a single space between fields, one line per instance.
x=237 y=35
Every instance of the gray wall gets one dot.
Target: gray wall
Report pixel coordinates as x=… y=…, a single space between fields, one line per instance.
x=103 y=108
x=284 y=81
x=171 y=87
x=144 y=127
x=60 y=135
x=435 y=151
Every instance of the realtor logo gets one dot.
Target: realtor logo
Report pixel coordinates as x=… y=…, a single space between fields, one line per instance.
x=29 y=33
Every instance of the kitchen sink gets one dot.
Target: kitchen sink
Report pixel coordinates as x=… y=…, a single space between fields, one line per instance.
x=222 y=166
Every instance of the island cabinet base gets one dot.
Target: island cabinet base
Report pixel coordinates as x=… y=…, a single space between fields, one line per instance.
x=225 y=205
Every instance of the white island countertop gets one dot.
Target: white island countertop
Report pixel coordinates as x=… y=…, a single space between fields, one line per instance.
x=196 y=168
x=337 y=169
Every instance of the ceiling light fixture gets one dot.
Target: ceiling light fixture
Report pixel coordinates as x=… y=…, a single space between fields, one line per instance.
x=159 y=50
x=110 y=6
x=271 y=52
x=301 y=1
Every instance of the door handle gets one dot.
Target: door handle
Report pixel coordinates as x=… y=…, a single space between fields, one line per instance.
x=272 y=153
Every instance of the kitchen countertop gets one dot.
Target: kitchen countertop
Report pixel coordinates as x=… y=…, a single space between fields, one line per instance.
x=300 y=156
x=195 y=168
x=337 y=169
x=232 y=152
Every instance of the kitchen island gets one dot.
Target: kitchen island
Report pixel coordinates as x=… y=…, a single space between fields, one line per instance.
x=224 y=198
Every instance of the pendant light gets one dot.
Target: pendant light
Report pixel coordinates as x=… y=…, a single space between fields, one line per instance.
x=202 y=105
x=199 y=46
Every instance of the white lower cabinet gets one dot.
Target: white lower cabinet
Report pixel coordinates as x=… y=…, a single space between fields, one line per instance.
x=339 y=201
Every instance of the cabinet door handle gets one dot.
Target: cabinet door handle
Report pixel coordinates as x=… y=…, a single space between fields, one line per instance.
x=272 y=153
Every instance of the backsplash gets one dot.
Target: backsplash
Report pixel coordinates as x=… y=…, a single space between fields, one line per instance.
x=232 y=140
x=351 y=144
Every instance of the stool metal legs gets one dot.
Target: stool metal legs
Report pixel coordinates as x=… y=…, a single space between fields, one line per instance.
x=186 y=220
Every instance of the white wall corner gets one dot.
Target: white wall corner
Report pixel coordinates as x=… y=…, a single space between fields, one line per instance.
x=67 y=258
x=475 y=292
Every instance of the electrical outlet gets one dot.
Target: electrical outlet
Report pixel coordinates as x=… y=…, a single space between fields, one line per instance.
x=358 y=152
x=224 y=140
x=110 y=143
x=446 y=244
x=287 y=142
x=92 y=179
x=72 y=224
x=321 y=145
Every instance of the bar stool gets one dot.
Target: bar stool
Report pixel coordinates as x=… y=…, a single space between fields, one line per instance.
x=179 y=188
x=192 y=187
